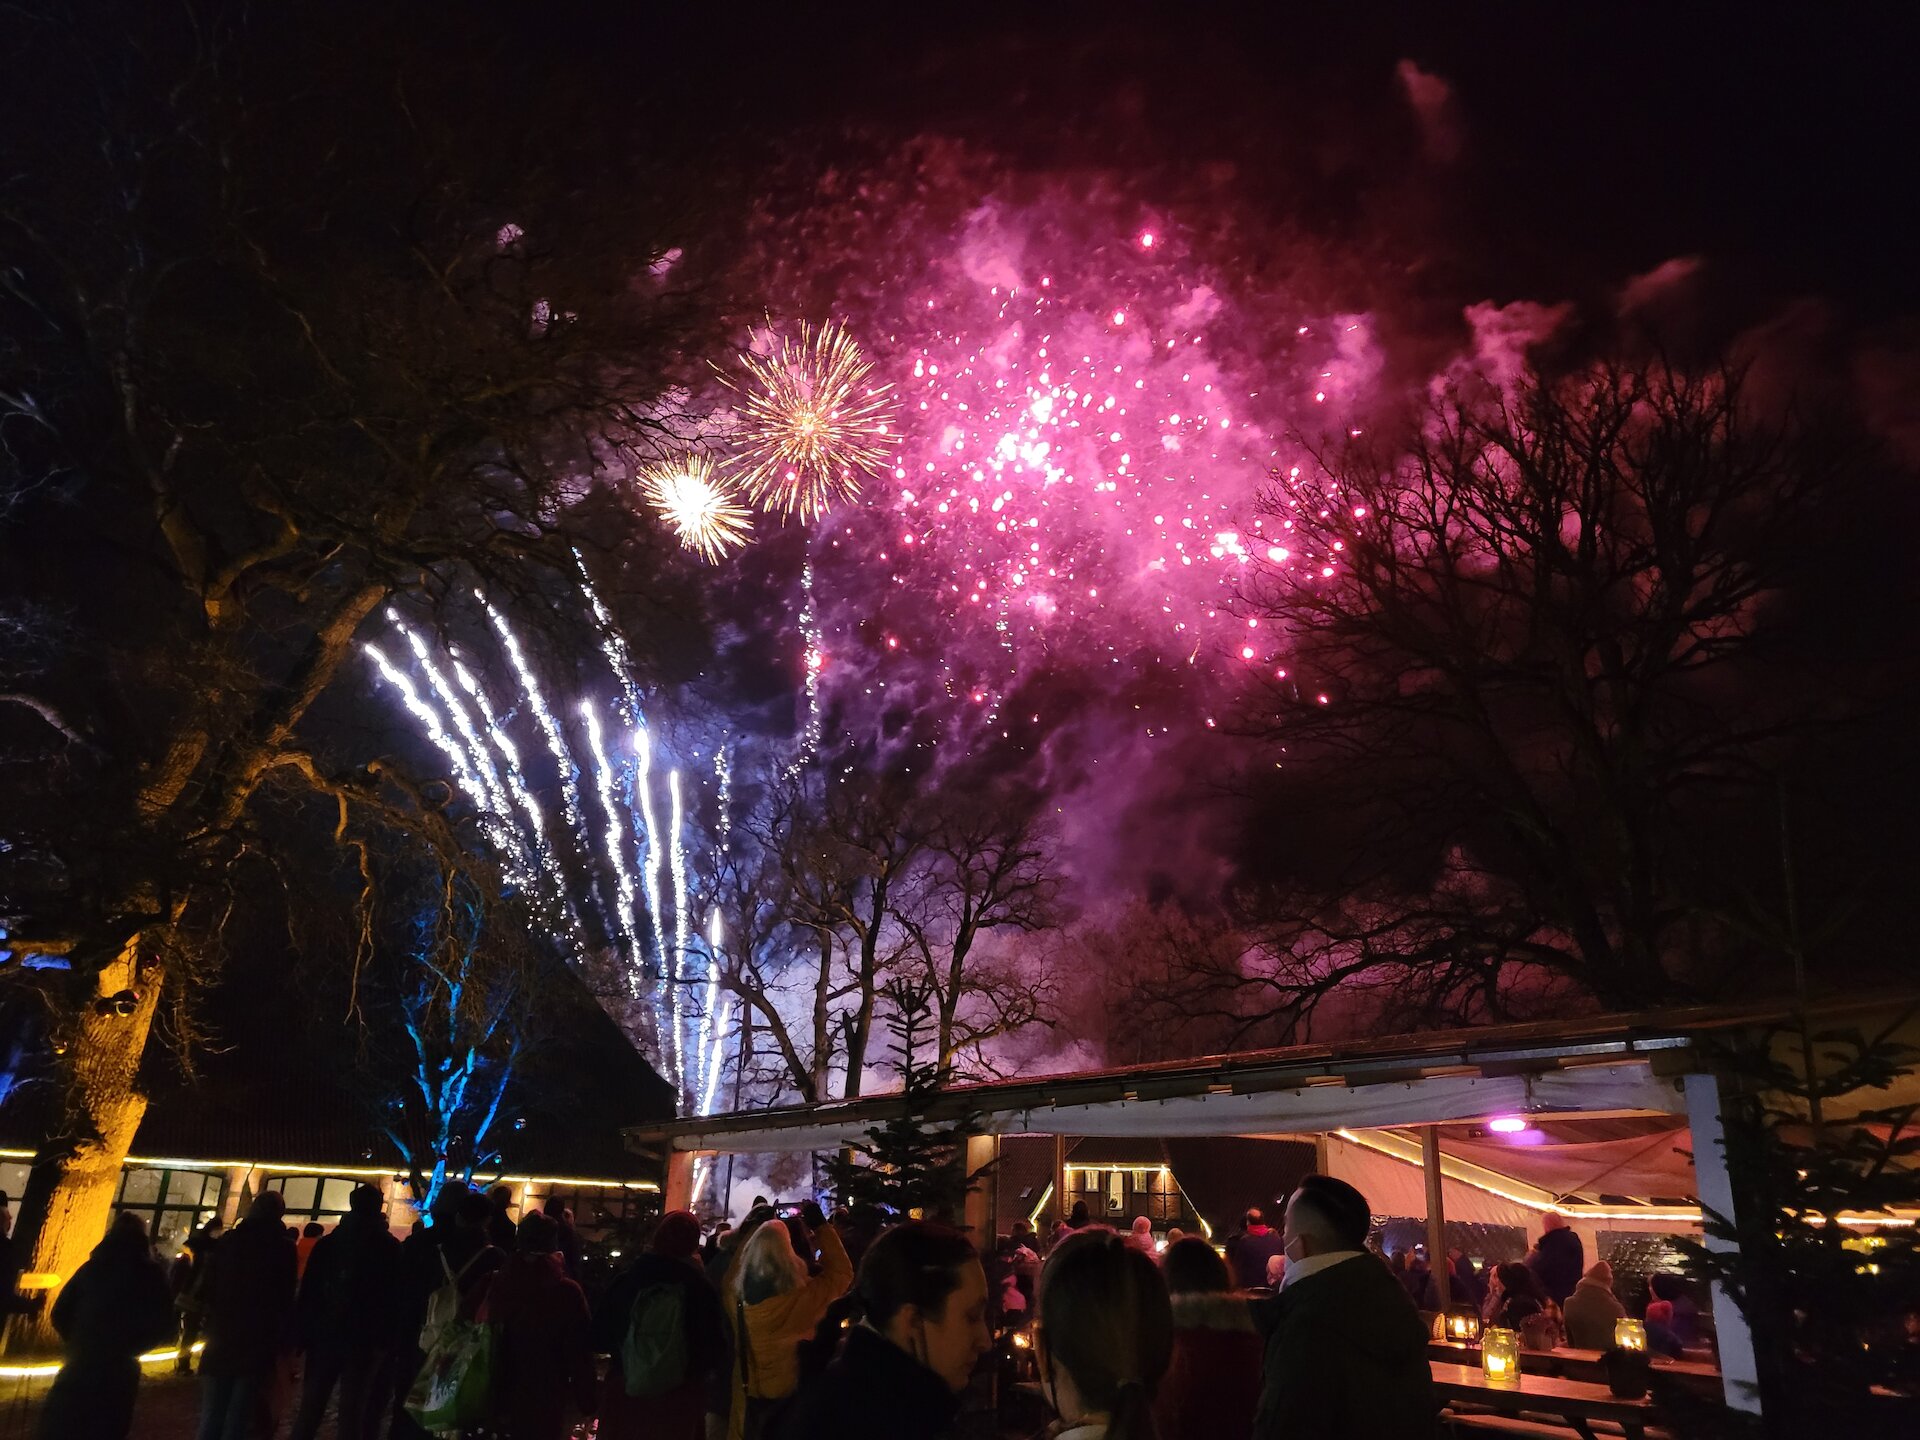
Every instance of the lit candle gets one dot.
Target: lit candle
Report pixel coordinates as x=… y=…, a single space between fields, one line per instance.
x=1500 y=1357
x=1630 y=1334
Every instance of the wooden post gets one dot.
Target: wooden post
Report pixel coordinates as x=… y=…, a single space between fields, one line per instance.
x=1436 y=1215
x=1059 y=1181
x=679 y=1192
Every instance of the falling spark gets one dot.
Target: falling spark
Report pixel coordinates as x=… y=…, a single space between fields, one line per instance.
x=812 y=423
x=615 y=848
x=699 y=506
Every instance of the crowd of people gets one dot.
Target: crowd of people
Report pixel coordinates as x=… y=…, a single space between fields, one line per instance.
x=794 y=1326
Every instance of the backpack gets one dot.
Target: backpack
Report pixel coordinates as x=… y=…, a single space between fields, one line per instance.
x=653 y=1356
x=444 y=1305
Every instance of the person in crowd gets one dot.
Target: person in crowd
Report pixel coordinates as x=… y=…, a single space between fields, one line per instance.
x=1141 y=1236
x=346 y=1321
x=677 y=1411
x=500 y=1227
x=1468 y=1287
x=310 y=1234
x=724 y=1246
x=454 y=1244
x=1212 y=1385
x=1174 y=1236
x=1592 y=1308
x=1685 y=1319
x=1103 y=1338
x=720 y=1385
x=185 y=1279
x=115 y=1307
x=1062 y=1231
x=1660 y=1337
x=1495 y=1297
x=773 y=1304
x=1249 y=1250
x=1346 y=1354
x=1079 y=1217
x=1416 y=1278
x=1558 y=1258
x=543 y=1358
x=1527 y=1309
x=1024 y=1260
x=249 y=1290
x=569 y=1248
x=1276 y=1272
x=923 y=1328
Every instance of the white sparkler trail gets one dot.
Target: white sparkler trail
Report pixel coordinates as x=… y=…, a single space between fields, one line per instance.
x=616 y=848
x=650 y=872
x=549 y=726
x=613 y=645
x=429 y=721
x=678 y=851
x=498 y=808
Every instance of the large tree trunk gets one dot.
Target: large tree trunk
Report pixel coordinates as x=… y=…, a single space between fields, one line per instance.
x=69 y=1195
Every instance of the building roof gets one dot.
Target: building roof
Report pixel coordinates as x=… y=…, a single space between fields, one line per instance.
x=1610 y=1060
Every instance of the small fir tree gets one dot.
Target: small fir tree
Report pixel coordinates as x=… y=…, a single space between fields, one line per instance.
x=1827 y=1303
x=910 y=1162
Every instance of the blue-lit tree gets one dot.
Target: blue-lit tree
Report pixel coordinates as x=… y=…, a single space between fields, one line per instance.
x=463 y=1004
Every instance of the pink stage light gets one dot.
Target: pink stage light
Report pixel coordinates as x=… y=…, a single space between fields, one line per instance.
x=1506 y=1124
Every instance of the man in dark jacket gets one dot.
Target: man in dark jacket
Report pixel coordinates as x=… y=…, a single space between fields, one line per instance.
x=249 y=1299
x=1250 y=1250
x=1346 y=1351
x=115 y=1306
x=346 y=1321
x=500 y=1225
x=1558 y=1259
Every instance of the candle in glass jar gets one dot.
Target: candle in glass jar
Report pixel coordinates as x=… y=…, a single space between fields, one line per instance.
x=1500 y=1357
x=1630 y=1334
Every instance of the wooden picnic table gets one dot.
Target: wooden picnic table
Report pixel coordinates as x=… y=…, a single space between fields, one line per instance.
x=1578 y=1402
x=1571 y=1363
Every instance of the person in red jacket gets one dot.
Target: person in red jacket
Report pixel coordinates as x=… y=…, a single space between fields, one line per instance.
x=543 y=1359
x=1212 y=1387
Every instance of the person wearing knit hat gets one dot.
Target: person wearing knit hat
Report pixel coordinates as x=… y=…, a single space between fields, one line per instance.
x=1592 y=1308
x=679 y=1411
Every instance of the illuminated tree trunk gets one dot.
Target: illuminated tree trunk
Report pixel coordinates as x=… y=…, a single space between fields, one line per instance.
x=76 y=1174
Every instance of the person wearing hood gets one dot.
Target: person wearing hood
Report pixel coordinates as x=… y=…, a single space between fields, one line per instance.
x=115 y=1307
x=679 y=1412
x=1592 y=1308
x=901 y=1371
x=543 y=1360
x=1212 y=1387
x=249 y=1291
x=1141 y=1237
x=346 y=1320
x=1346 y=1350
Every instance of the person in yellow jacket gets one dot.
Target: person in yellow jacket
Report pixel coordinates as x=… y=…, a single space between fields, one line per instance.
x=773 y=1306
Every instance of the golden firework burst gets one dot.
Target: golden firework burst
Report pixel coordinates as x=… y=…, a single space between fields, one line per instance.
x=699 y=505
x=812 y=423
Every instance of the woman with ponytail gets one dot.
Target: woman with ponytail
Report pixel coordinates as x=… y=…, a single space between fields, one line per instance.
x=1103 y=1335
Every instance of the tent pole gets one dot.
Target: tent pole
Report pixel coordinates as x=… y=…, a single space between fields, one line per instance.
x=1059 y=1179
x=1436 y=1215
x=1739 y=1366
